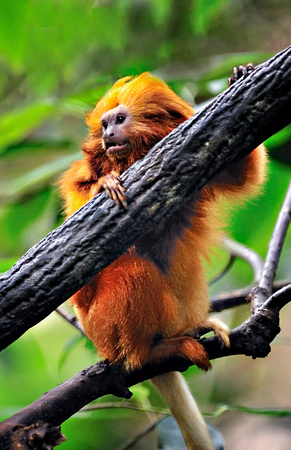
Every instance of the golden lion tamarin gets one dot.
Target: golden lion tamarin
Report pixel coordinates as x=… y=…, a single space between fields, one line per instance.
x=147 y=305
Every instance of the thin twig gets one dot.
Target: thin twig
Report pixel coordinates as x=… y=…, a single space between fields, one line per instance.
x=125 y=405
x=247 y=254
x=265 y=287
x=70 y=318
x=239 y=297
x=223 y=272
x=280 y=298
x=131 y=442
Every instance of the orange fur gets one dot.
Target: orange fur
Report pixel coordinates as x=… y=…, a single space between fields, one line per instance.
x=146 y=304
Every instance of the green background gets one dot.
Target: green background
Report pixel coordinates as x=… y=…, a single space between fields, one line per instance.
x=57 y=58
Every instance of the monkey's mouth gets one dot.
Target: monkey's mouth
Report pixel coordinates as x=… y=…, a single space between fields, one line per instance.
x=116 y=149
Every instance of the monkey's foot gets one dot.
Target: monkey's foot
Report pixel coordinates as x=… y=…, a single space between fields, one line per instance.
x=216 y=325
x=240 y=72
x=184 y=346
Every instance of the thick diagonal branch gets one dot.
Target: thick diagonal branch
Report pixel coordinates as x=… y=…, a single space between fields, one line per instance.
x=231 y=126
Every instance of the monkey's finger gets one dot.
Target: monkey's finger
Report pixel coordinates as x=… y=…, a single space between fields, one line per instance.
x=121 y=197
x=115 y=182
x=116 y=194
x=110 y=192
x=121 y=188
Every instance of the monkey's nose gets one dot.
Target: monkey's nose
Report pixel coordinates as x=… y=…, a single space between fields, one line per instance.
x=108 y=134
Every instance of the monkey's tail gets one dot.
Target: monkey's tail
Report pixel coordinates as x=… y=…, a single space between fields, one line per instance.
x=174 y=390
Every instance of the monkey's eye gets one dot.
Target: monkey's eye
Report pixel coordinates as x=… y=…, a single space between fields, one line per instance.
x=104 y=124
x=120 y=118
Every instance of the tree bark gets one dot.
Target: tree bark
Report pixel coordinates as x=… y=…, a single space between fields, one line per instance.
x=228 y=128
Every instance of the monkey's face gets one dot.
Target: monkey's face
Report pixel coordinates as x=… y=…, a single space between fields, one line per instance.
x=116 y=124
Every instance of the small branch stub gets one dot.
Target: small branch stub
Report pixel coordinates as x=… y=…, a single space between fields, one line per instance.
x=37 y=436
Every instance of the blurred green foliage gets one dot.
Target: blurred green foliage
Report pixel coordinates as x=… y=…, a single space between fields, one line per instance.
x=57 y=58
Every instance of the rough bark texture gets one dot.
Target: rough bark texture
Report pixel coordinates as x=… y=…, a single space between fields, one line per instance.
x=231 y=126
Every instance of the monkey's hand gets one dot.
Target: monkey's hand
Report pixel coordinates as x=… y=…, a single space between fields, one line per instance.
x=111 y=184
x=240 y=72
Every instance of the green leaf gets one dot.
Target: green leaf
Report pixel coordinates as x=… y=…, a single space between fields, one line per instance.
x=71 y=344
x=12 y=25
x=279 y=138
x=37 y=177
x=23 y=224
x=16 y=125
x=141 y=393
x=204 y=13
x=161 y=10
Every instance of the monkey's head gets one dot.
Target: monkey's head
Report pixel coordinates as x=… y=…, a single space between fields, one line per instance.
x=116 y=125
x=135 y=114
